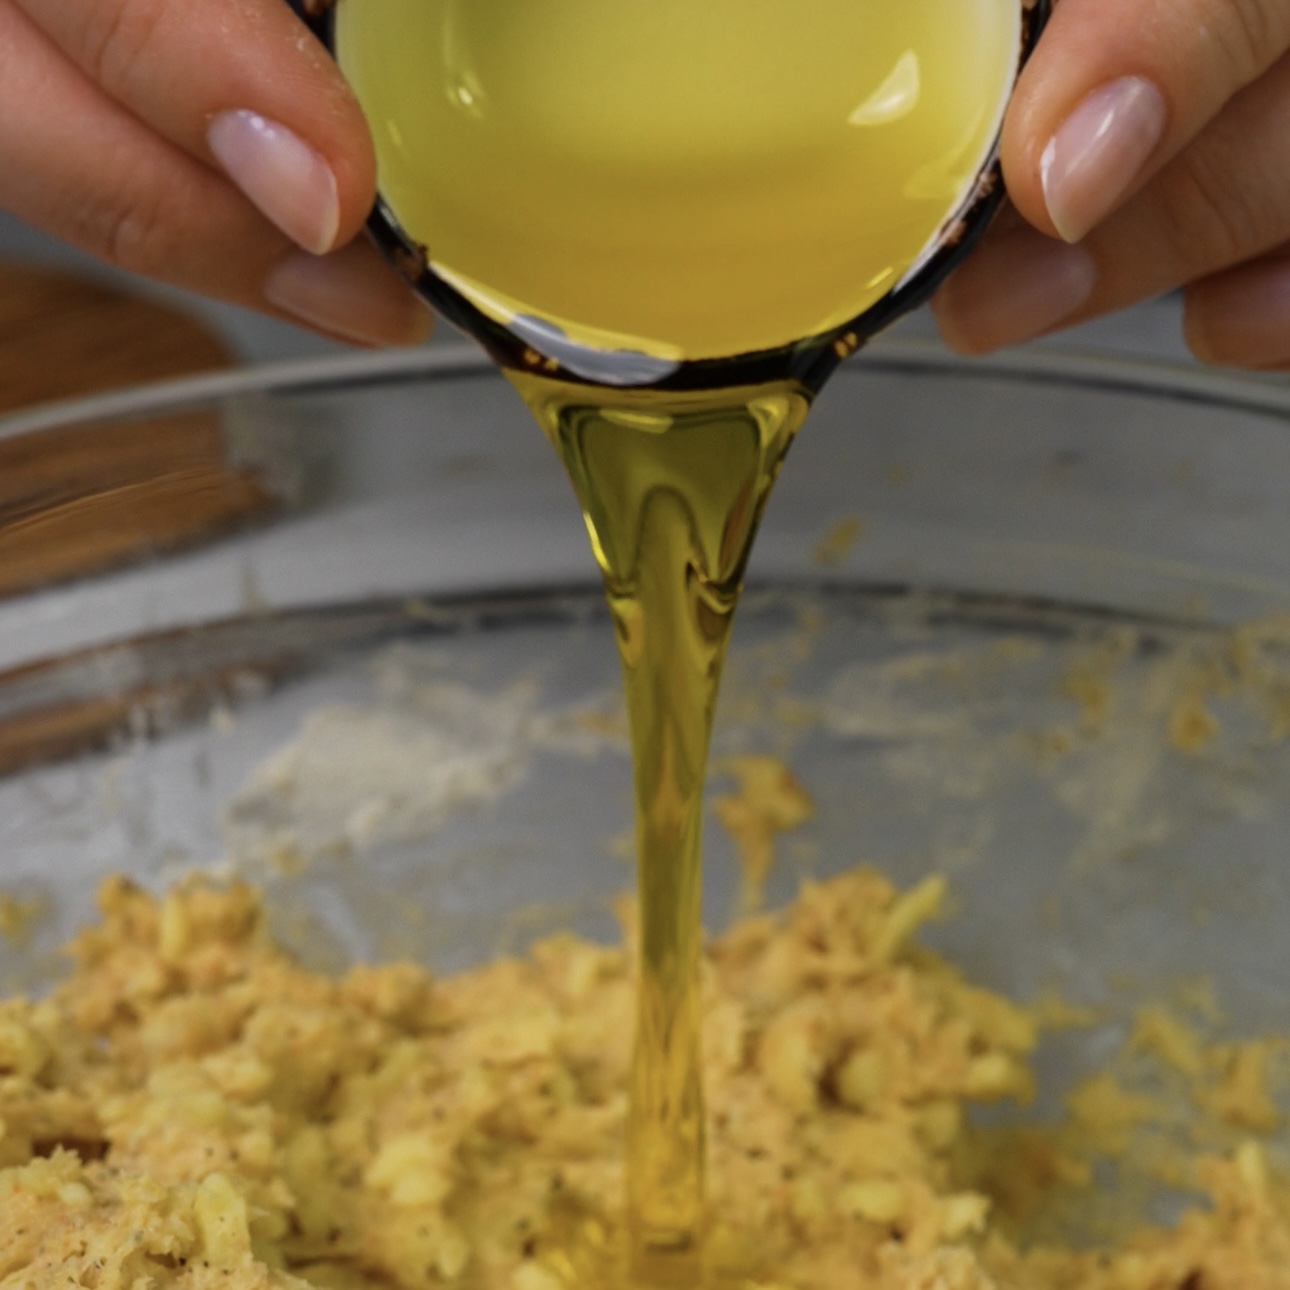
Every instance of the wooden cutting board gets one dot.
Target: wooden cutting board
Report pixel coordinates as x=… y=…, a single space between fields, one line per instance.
x=75 y=502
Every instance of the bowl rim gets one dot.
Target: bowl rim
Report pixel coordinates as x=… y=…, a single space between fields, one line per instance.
x=1256 y=392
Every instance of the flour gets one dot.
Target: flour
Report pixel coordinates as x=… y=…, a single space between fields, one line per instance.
x=363 y=775
x=392 y=769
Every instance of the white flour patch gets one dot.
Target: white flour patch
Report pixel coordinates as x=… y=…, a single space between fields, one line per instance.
x=392 y=769
x=358 y=776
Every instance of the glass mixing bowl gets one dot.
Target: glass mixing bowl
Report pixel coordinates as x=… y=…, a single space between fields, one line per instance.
x=1014 y=621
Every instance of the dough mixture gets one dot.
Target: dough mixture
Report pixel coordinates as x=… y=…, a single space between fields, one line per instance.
x=191 y=1109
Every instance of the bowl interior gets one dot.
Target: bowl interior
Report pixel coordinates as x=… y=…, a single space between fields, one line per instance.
x=1016 y=624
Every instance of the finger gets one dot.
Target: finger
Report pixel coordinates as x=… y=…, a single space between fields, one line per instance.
x=77 y=164
x=235 y=83
x=1016 y=285
x=1119 y=87
x=1224 y=201
x=1241 y=318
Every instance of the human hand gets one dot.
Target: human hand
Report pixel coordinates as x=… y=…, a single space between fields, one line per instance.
x=211 y=144
x=1153 y=137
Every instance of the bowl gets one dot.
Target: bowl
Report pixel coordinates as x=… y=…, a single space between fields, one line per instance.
x=1020 y=622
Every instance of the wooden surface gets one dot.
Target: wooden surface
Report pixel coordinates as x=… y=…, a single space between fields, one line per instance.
x=62 y=336
x=75 y=502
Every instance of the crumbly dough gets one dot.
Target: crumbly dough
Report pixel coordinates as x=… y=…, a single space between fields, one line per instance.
x=769 y=801
x=192 y=1109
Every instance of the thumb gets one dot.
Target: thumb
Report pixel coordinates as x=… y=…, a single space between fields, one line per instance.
x=241 y=86
x=1119 y=87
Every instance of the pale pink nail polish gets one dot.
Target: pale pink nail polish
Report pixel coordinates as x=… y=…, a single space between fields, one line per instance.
x=350 y=295
x=288 y=180
x=1013 y=288
x=1099 y=151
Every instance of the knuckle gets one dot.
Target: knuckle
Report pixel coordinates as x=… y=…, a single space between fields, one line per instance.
x=117 y=38
x=1250 y=35
x=139 y=238
x=132 y=234
x=1209 y=218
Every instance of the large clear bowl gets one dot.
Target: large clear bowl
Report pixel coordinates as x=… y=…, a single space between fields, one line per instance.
x=1013 y=621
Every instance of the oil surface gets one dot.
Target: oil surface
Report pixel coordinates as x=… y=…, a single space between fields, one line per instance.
x=671 y=488
x=684 y=178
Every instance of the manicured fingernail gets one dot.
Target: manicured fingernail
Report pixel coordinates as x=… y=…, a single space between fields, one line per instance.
x=1013 y=288
x=1098 y=152
x=1243 y=319
x=291 y=183
x=351 y=295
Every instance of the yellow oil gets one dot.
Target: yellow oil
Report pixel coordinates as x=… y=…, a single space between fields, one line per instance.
x=671 y=488
x=684 y=178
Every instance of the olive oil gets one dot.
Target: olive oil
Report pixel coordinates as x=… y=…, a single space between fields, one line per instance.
x=671 y=489
x=681 y=178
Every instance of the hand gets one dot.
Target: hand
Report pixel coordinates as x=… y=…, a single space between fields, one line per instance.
x=211 y=144
x=1153 y=138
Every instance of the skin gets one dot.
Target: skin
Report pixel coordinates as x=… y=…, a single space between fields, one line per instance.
x=1209 y=211
x=106 y=107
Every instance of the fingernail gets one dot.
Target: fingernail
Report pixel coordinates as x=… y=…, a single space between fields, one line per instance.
x=1243 y=319
x=291 y=183
x=1013 y=288
x=352 y=295
x=1098 y=152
